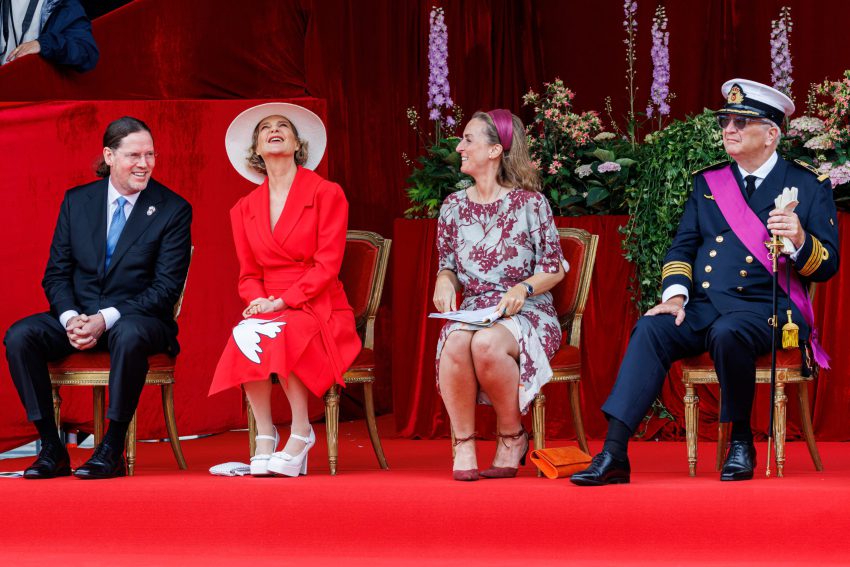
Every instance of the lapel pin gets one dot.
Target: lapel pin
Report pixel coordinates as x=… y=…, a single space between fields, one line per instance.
x=151 y=210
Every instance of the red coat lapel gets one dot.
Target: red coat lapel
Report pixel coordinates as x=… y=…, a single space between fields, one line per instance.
x=301 y=196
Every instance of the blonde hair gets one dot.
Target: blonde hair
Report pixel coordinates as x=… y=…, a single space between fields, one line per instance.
x=515 y=169
x=255 y=161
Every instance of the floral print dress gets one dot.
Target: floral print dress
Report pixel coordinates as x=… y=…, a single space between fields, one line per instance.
x=492 y=247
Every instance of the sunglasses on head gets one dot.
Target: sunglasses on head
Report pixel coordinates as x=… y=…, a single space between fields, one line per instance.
x=740 y=122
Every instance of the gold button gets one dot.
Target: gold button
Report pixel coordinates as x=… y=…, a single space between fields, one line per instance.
x=743 y=273
x=749 y=259
x=713 y=253
x=740 y=288
x=705 y=285
x=719 y=239
x=708 y=269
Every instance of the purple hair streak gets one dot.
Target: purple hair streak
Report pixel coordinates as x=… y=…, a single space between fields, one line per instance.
x=504 y=122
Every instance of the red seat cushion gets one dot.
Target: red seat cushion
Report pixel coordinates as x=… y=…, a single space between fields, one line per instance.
x=365 y=361
x=566 y=359
x=790 y=358
x=93 y=361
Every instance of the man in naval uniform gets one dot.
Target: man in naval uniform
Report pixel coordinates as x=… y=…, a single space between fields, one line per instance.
x=717 y=288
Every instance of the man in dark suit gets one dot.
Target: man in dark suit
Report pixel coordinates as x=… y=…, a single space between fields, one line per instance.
x=117 y=266
x=717 y=288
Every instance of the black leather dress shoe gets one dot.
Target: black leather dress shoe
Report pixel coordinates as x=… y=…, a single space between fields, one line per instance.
x=52 y=461
x=740 y=461
x=104 y=463
x=604 y=469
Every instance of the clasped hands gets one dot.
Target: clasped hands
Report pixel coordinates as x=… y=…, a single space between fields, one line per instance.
x=83 y=331
x=263 y=305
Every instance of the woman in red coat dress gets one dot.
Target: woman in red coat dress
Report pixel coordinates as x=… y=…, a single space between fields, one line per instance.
x=290 y=237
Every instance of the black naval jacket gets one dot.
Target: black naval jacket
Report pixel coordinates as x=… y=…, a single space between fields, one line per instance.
x=720 y=273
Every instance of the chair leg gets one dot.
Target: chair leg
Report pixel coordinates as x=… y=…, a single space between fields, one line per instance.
x=373 y=425
x=131 y=447
x=538 y=423
x=691 y=420
x=99 y=404
x=806 y=418
x=779 y=416
x=332 y=425
x=578 y=422
x=722 y=440
x=57 y=403
x=171 y=424
x=252 y=427
x=454 y=450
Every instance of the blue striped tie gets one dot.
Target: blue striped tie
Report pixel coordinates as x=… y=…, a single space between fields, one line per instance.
x=115 y=228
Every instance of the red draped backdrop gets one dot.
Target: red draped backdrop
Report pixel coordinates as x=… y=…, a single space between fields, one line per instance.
x=366 y=60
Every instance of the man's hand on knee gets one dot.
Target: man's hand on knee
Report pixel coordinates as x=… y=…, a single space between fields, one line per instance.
x=674 y=306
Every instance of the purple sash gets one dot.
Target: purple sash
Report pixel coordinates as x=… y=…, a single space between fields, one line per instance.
x=753 y=234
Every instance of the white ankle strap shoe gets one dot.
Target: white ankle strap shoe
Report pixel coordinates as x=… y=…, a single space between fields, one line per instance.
x=260 y=461
x=283 y=464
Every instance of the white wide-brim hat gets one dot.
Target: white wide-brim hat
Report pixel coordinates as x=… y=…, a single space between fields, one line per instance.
x=237 y=140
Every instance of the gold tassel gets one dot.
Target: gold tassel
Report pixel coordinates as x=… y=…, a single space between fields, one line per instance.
x=790 y=333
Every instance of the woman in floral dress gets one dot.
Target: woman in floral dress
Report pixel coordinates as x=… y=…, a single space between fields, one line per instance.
x=497 y=243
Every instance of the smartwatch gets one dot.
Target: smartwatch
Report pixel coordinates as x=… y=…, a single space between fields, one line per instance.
x=529 y=289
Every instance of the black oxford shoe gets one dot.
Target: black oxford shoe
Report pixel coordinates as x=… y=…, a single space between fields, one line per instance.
x=52 y=461
x=104 y=463
x=604 y=469
x=740 y=461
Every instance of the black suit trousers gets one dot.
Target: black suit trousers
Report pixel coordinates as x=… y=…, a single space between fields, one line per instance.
x=34 y=341
x=734 y=341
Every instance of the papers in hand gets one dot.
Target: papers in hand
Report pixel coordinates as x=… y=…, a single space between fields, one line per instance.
x=480 y=317
x=787 y=202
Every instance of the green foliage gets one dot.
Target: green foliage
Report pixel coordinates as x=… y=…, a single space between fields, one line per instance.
x=657 y=197
x=437 y=175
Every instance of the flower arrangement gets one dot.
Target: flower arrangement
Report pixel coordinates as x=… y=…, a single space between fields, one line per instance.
x=821 y=137
x=578 y=161
x=436 y=173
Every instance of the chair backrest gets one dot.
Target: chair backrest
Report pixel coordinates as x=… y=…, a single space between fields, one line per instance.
x=570 y=295
x=364 y=267
x=179 y=305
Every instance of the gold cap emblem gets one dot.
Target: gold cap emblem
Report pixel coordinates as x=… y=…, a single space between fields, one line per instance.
x=736 y=95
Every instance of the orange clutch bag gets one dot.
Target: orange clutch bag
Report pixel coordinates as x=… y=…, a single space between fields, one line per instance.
x=559 y=462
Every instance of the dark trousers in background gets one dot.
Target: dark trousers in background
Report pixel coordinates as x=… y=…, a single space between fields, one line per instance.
x=38 y=339
x=734 y=341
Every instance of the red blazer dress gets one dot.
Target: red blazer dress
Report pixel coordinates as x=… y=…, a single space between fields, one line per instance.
x=315 y=336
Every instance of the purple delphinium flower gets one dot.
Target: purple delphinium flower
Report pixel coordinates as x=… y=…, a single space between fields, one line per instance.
x=660 y=90
x=780 y=52
x=438 y=76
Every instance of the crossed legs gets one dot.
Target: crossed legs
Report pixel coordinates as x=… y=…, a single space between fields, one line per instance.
x=259 y=395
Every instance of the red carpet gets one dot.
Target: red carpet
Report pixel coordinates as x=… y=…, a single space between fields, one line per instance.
x=415 y=514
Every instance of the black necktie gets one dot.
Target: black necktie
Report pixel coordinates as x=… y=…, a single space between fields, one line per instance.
x=751 y=185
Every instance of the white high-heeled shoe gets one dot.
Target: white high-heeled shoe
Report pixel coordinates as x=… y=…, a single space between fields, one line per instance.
x=284 y=464
x=260 y=461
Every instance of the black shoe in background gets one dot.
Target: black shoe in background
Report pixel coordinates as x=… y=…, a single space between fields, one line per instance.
x=604 y=469
x=53 y=461
x=106 y=462
x=740 y=461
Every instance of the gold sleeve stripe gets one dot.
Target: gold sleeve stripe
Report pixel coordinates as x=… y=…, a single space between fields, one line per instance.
x=677 y=269
x=816 y=258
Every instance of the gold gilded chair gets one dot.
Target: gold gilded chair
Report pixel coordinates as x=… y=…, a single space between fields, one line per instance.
x=570 y=299
x=364 y=268
x=92 y=369
x=700 y=370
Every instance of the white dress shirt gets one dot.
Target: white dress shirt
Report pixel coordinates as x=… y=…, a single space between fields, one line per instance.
x=110 y=314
